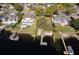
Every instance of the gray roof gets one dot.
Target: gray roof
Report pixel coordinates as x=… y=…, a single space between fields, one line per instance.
x=62 y=18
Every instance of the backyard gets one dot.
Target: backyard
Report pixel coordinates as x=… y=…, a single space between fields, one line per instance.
x=44 y=23
x=64 y=28
x=32 y=30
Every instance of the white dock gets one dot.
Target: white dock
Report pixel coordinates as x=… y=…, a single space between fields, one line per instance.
x=41 y=41
x=14 y=37
x=70 y=50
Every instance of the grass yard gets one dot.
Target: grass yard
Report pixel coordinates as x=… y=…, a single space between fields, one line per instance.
x=17 y=27
x=32 y=30
x=56 y=36
x=44 y=23
x=13 y=29
x=49 y=23
x=65 y=28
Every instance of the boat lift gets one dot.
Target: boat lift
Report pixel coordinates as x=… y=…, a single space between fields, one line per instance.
x=14 y=36
x=68 y=49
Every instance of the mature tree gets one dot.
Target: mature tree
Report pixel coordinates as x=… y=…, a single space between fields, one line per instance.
x=39 y=11
x=43 y=24
x=76 y=23
x=69 y=8
x=49 y=11
x=18 y=7
x=60 y=7
x=64 y=7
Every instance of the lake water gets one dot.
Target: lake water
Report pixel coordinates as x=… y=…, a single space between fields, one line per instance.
x=74 y=43
x=25 y=45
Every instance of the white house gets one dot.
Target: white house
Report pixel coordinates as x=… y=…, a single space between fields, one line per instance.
x=26 y=22
x=28 y=19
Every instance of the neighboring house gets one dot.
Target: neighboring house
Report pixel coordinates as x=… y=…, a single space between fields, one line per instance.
x=9 y=16
x=61 y=20
x=26 y=22
x=76 y=14
x=29 y=14
x=10 y=19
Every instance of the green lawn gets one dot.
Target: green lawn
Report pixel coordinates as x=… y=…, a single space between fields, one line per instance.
x=56 y=35
x=65 y=28
x=32 y=29
x=49 y=24
x=15 y=29
x=44 y=23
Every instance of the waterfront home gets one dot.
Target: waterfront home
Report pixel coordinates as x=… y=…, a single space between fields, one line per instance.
x=75 y=16
x=10 y=19
x=26 y=22
x=29 y=14
x=61 y=20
